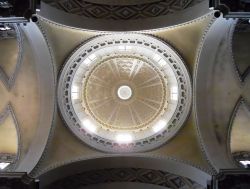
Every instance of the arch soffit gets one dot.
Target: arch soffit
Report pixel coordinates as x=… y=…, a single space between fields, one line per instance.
x=69 y=168
x=46 y=80
x=214 y=137
x=76 y=21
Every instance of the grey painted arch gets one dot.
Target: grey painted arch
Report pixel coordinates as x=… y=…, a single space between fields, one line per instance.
x=46 y=84
x=215 y=93
x=172 y=166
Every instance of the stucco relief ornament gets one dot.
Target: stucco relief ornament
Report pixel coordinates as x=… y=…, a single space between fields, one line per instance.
x=124 y=93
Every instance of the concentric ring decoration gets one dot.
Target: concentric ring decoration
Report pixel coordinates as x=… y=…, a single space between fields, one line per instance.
x=124 y=93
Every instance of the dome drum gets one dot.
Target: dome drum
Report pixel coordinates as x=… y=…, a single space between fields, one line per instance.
x=124 y=92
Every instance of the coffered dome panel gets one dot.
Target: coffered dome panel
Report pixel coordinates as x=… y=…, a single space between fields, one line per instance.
x=122 y=2
x=122 y=15
x=124 y=92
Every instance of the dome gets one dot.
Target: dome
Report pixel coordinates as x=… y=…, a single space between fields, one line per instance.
x=124 y=92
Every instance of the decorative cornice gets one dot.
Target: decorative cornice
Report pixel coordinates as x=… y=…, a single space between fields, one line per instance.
x=122 y=12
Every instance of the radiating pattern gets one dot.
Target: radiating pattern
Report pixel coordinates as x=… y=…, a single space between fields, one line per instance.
x=148 y=93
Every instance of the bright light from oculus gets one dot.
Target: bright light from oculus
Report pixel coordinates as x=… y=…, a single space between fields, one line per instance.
x=174 y=93
x=162 y=62
x=125 y=48
x=89 y=126
x=124 y=92
x=74 y=96
x=92 y=57
x=174 y=96
x=159 y=126
x=3 y=165
x=87 y=61
x=74 y=89
x=157 y=57
x=159 y=60
x=74 y=92
x=124 y=138
x=174 y=90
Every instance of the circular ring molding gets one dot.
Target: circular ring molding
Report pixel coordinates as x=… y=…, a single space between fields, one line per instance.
x=124 y=93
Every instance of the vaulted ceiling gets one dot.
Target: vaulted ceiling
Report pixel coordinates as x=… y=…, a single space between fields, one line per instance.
x=37 y=137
